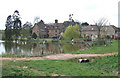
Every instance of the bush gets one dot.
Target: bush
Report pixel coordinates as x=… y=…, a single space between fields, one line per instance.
x=34 y=35
x=107 y=37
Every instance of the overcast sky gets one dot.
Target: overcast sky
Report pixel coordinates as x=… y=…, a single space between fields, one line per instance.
x=49 y=10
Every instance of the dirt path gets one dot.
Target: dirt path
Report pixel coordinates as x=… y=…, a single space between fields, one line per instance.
x=58 y=56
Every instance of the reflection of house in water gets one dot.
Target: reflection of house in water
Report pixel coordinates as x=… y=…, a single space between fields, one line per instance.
x=54 y=48
x=44 y=49
x=17 y=48
x=36 y=49
x=29 y=49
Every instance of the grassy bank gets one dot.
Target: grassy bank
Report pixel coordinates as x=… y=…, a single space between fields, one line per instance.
x=98 y=66
x=99 y=49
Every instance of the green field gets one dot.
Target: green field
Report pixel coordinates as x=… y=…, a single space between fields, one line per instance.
x=99 y=49
x=98 y=66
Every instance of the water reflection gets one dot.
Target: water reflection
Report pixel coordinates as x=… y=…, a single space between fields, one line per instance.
x=73 y=47
x=28 y=48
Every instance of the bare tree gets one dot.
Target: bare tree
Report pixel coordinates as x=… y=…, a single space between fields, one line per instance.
x=99 y=23
x=36 y=19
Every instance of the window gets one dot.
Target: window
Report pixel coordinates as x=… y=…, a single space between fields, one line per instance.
x=51 y=27
x=55 y=30
x=56 y=27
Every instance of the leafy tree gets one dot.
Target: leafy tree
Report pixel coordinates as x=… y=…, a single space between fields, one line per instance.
x=27 y=24
x=17 y=24
x=85 y=24
x=108 y=37
x=8 y=30
x=14 y=37
x=3 y=34
x=72 y=32
x=13 y=26
x=25 y=33
x=34 y=35
x=9 y=22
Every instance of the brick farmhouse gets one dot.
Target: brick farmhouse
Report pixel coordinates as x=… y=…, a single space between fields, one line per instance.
x=43 y=30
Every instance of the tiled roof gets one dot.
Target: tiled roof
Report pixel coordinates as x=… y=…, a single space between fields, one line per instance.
x=89 y=28
x=54 y=26
x=115 y=28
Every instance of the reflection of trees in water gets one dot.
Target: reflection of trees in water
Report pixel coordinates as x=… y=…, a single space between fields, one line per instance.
x=48 y=48
x=28 y=48
x=25 y=48
x=54 y=48
x=11 y=48
x=73 y=47
x=8 y=46
x=17 y=48
x=36 y=49
x=34 y=45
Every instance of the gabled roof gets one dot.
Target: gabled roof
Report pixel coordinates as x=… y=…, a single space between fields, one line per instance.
x=89 y=28
x=114 y=27
x=41 y=22
x=54 y=26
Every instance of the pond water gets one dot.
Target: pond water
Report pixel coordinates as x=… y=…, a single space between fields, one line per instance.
x=31 y=49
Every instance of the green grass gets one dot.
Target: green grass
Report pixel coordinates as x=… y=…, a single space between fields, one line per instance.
x=99 y=49
x=7 y=55
x=23 y=39
x=100 y=66
x=48 y=39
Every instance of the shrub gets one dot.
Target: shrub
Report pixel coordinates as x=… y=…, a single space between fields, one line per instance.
x=34 y=35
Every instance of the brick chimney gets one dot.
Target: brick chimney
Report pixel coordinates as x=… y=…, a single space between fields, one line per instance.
x=56 y=21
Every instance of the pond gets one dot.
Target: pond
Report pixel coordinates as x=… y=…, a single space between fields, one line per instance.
x=31 y=49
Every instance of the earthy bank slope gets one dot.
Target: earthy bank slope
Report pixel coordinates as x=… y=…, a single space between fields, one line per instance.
x=57 y=56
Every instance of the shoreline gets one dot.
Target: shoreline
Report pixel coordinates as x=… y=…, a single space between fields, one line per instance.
x=58 y=56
